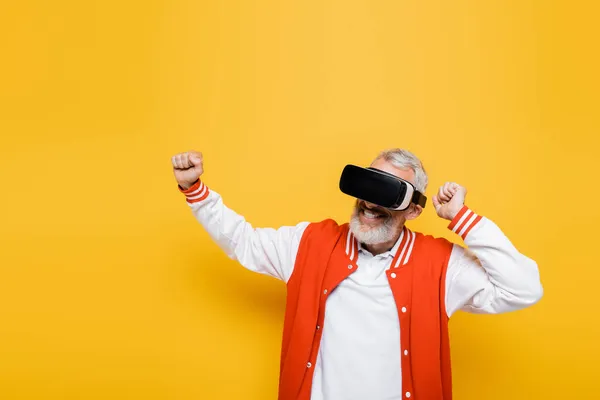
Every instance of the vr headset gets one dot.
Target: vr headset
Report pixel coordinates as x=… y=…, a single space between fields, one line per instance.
x=380 y=187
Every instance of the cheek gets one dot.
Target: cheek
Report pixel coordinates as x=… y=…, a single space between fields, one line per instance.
x=399 y=217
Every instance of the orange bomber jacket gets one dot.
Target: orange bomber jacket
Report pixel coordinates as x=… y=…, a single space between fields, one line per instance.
x=325 y=258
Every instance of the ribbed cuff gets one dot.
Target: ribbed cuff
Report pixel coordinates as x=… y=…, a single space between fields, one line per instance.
x=196 y=193
x=464 y=221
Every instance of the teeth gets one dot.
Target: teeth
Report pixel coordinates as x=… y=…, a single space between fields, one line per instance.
x=369 y=214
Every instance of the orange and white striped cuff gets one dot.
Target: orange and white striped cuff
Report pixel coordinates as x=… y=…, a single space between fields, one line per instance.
x=464 y=221
x=196 y=193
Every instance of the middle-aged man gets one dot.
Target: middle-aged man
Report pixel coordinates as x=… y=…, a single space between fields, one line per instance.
x=368 y=302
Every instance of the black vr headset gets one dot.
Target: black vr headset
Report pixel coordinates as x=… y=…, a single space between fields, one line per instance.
x=380 y=187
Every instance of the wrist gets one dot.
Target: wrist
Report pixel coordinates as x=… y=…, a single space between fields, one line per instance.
x=195 y=193
x=454 y=212
x=187 y=185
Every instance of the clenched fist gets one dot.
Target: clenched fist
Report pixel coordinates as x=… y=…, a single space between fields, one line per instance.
x=187 y=168
x=449 y=200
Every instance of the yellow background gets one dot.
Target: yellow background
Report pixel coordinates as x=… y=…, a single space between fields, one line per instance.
x=109 y=289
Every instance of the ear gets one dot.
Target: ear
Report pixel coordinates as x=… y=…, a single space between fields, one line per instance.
x=413 y=211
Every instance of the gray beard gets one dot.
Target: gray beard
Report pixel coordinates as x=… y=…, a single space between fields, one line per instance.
x=368 y=235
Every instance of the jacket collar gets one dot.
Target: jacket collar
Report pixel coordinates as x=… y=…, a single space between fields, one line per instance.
x=401 y=251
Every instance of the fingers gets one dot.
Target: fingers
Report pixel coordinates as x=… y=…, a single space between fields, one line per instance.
x=180 y=161
x=443 y=194
x=453 y=188
x=186 y=160
x=447 y=191
x=175 y=161
x=195 y=157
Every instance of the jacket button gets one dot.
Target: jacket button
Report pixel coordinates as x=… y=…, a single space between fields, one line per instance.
x=405 y=352
x=407 y=394
x=318 y=327
x=404 y=310
x=393 y=274
x=325 y=291
x=308 y=365
x=350 y=266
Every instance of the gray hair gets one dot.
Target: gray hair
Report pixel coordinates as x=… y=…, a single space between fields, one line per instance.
x=404 y=159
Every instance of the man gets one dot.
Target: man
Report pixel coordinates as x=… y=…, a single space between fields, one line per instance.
x=368 y=302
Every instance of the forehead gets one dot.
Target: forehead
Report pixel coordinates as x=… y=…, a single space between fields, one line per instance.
x=407 y=174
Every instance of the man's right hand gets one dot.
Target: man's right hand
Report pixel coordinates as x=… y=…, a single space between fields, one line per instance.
x=187 y=168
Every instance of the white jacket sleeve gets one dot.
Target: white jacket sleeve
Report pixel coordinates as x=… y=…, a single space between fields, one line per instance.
x=491 y=276
x=264 y=250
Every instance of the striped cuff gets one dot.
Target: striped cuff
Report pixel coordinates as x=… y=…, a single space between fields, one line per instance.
x=464 y=221
x=196 y=193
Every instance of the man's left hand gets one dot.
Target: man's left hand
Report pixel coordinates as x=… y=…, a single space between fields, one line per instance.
x=449 y=200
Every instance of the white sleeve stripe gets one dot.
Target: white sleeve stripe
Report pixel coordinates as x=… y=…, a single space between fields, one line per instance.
x=195 y=192
x=461 y=220
x=194 y=197
x=468 y=224
x=412 y=242
x=403 y=248
x=348 y=241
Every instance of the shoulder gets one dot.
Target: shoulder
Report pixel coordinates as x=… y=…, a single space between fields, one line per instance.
x=325 y=228
x=320 y=239
x=433 y=244
x=323 y=234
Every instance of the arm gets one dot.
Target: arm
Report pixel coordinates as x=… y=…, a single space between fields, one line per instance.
x=264 y=250
x=489 y=276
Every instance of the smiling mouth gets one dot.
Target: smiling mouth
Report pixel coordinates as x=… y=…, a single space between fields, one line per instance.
x=373 y=214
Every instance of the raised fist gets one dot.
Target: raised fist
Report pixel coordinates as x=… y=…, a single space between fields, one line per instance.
x=449 y=200
x=187 y=168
